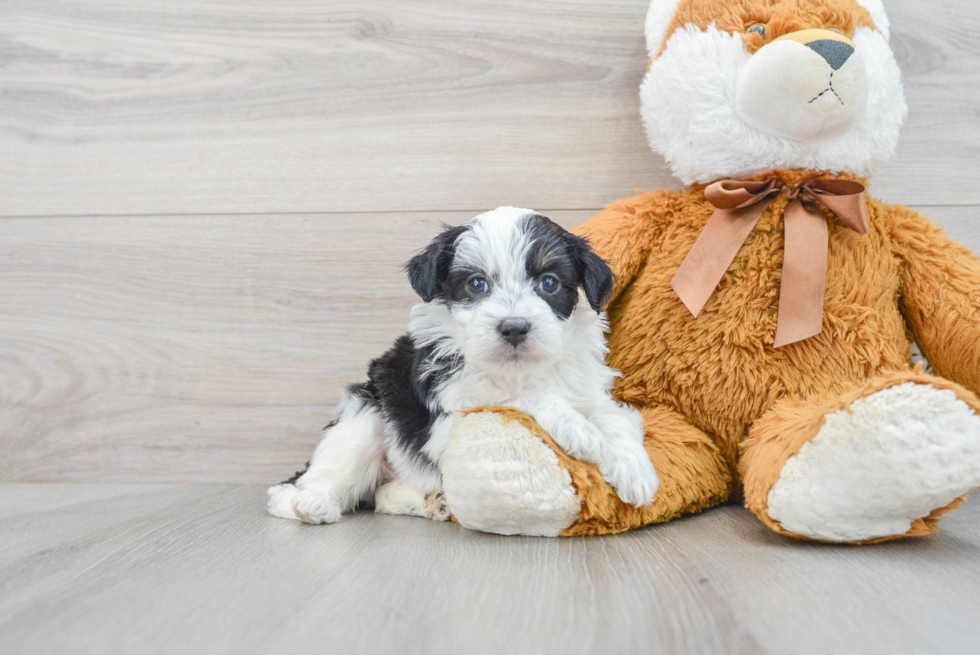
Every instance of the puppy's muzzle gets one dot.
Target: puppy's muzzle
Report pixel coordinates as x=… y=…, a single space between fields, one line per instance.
x=514 y=330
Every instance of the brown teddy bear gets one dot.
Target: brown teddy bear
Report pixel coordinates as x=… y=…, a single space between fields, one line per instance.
x=763 y=318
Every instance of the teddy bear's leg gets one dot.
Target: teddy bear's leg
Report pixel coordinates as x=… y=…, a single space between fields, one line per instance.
x=502 y=473
x=882 y=461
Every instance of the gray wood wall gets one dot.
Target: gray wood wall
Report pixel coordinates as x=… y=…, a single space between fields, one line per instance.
x=204 y=205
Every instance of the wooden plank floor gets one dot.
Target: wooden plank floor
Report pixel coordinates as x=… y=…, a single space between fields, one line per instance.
x=112 y=568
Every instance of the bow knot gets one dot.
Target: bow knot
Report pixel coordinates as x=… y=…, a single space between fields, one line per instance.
x=738 y=206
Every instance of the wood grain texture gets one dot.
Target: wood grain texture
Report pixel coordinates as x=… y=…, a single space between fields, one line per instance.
x=207 y=349
x=202 y=349
x=155 y=107
x=201 y=569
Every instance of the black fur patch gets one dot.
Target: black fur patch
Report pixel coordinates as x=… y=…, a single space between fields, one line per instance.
x=403 y=380
x=428 y=270
x=298 y=474
x=362 y=390
x=555 y=250
x=457 y=285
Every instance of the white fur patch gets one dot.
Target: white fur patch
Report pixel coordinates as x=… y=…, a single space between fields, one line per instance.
x=397 y=497
x=878 y=15
x=280 y=501
x=890 y=458
x=345 y=468
x=659 y=15
x=688 y=110
x=500 y=478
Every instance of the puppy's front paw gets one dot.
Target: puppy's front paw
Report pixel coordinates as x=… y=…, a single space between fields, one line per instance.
x=436 y=507
x=631 y=474
x=314 y=506
x=620 y=423
x=577 y=437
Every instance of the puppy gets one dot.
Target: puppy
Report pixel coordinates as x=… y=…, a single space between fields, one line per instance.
x=511 y=316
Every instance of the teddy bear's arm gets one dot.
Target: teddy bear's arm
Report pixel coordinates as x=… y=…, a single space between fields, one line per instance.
x=940 y=295
x=623 y=234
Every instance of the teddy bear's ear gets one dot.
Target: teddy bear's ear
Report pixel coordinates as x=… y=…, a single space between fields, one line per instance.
x=659 y=15
x=430 y=268
x=877 y=10
x=596 y=276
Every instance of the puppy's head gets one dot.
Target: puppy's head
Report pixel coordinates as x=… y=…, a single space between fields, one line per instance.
x=512 y=282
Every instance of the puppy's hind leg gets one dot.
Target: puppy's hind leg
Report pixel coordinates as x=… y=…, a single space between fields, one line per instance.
x=346 y=467
x=399 y=497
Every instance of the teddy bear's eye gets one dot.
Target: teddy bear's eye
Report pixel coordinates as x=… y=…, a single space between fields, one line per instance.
x=757 y=28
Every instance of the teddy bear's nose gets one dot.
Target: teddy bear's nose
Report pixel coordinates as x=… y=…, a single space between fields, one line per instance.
x=834 y=52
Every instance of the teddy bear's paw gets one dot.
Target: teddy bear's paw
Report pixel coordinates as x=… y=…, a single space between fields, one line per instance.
x=874 y=467
x=499 y=477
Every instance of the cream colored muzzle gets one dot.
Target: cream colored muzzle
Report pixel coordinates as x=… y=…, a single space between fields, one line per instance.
x=805 y=86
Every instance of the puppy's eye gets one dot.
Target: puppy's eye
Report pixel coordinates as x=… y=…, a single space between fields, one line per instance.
x=757 y=28
x=549 y=284
x=477 y=285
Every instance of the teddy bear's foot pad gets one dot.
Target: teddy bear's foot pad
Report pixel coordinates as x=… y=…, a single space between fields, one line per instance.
x=498 y=477
x=874 y=467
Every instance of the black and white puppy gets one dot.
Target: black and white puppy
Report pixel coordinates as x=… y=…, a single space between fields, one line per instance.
x=511 y=316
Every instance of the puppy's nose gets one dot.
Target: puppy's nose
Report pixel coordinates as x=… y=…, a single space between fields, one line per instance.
x=834 y=52
x=514 y=330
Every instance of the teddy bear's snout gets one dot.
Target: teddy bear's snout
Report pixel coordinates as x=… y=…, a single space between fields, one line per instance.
x=803 y=85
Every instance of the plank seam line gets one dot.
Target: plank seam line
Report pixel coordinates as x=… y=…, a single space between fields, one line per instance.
x=361 y=213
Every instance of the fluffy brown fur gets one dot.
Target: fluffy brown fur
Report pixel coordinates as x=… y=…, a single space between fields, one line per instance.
x=780 y=17
x=724 y=410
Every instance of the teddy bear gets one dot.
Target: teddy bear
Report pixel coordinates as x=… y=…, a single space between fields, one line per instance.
x=763 y=318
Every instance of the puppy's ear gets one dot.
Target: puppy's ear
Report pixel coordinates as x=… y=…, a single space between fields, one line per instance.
x=430 y=268
x=596 y=276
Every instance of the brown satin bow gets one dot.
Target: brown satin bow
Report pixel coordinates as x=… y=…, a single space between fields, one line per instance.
x=739 y=205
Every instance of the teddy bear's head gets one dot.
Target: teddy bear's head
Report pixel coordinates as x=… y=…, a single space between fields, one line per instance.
x=739 y=87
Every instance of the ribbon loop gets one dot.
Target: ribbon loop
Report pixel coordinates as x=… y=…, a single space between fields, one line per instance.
x=732 y=194
x=845 y=199
x=739 y=205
